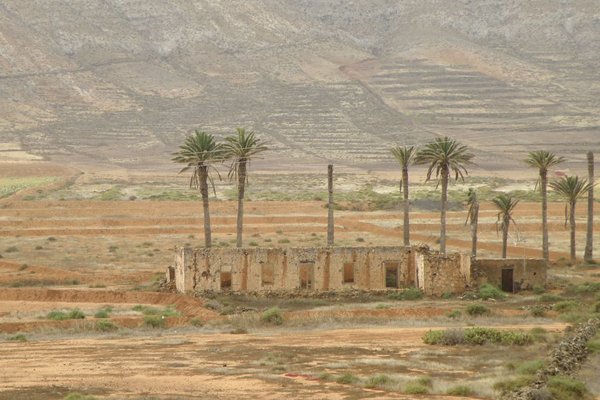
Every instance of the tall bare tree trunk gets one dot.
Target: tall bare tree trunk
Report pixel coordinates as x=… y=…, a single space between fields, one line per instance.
x=589 y=239
x=544 y=187
x=474 y=222
x=203 y=172
x=505 y=227
x=330 y=224
x=406 y=229
x=241 y=192
x=572 y=233
x=445 y=173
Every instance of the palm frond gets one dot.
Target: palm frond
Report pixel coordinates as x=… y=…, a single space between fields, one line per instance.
x=445 y=154
x=241 y=147
x=571 y=188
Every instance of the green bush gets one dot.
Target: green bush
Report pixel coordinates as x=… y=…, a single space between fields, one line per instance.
x=154 y=321
x=566 y=388
x=79 y=396
x=530 y=367
x=101 y=314
x=566 y=306
x=164 y=312
x=487 y=291
x=510 y=385
x=347 y=379
x=460 y=390
x=550 y=298
x=378 y=381
x=19 y=337
x=58 y=315
x=594 y=346
x=476 y=310
x=106 y=326
x=587 y=288
x=454 y=314
x=197 y=322
x=272 y=316
x=433 y=337
x=407 y=294
x=539 y=334
x=425 y=381
x=415 y=388
x=476 y=336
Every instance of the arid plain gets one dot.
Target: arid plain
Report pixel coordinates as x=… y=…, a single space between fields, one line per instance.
x=98 y=242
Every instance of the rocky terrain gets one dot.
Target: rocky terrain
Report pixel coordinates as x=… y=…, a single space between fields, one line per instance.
x=118 y=83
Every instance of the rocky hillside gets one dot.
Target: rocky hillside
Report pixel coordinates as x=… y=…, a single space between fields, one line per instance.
x=120 y=82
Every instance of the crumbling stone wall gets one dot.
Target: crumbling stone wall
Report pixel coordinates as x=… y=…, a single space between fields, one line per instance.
x=565 y=359
x=527 y=273
x=439 y=274
x=322 y=269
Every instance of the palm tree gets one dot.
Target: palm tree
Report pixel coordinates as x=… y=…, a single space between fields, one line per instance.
x=405 y=155
x=571 y=188
x=445 y=156
x=543 y=160
x=589 y=238
x=472 y=219
x=505 y=205
x=200 y=152
x=241 y=148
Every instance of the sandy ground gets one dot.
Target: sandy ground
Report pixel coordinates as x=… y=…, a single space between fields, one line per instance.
x=203 y=366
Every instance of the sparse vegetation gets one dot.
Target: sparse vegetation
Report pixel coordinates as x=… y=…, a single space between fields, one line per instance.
x=79 y=396
x=19 y=337
x=272 y=316
x=106 y=326
x=476 y=336
x=567 y=388
x=415 y=388
x=460 y=390
x=59 y=315
x=487 y=292
x=378 y=381
x=155 y=321
x=476 y=310
x=406 y=294
x=347 y=379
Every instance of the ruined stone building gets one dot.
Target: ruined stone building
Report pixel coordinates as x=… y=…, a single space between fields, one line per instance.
x=340 y=268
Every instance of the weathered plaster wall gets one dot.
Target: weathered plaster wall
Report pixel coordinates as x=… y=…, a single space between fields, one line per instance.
x=256 y=269
x=527 y=273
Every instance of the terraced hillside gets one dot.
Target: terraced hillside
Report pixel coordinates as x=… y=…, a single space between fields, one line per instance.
x=119 y=83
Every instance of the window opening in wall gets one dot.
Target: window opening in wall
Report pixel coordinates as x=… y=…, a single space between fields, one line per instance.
x=267 y=274
x=225 y=280
x=391 y=274
x=349 y=273
x=306 y=272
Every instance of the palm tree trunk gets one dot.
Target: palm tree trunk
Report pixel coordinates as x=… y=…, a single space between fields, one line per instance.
x=406 y=229
x=544 y=187
x=203 y=175
x=474 y=222
x=589 y=239
x=572 y=233
x=330 y=223
x=241 y=192
x=443 y=212
x=505 y=227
